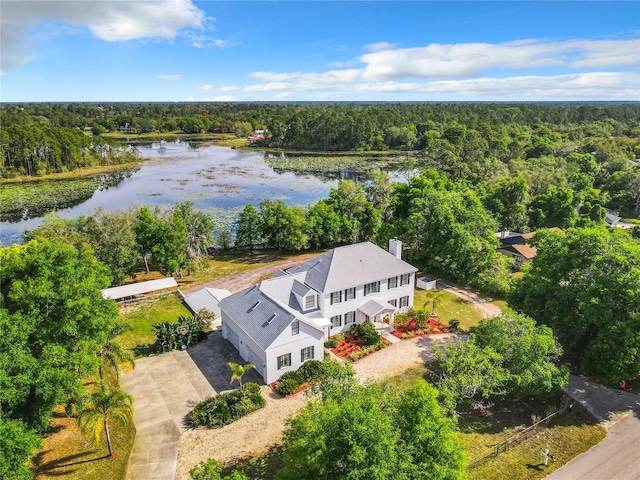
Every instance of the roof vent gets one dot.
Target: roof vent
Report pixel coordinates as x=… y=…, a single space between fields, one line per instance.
x=254 y=307
x=272 y=317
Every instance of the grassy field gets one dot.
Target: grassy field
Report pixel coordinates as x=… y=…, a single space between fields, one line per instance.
x=67 y=454
x=566 y=437
x=448 y=306
x=141 y=318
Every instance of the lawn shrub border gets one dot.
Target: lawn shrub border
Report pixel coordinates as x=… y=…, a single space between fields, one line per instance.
x=227 y=407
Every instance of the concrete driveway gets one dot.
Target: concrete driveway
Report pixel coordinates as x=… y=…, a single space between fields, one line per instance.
x=165 y=388
x=615 y=457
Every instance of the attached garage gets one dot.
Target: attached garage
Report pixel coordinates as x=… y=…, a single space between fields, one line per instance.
x=233 y=338
x=255 y=359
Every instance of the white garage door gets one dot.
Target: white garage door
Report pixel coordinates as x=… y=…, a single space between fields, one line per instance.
x=233 y=338
x=253 y=358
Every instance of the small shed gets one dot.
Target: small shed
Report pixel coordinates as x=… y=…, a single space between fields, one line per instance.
x=424 y=283
x=126 y=292
x=207 y=298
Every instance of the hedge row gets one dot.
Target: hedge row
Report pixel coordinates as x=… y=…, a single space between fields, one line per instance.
x=310 y=371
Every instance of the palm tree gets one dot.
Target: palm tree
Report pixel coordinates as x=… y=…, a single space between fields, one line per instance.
x=238 y=371
x=435 y=301
x=112 y=355
x=102 y=406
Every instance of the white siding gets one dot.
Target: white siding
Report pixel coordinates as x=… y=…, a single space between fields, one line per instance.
x=293 y=344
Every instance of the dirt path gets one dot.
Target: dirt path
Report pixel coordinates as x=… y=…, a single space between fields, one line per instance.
x=263 y=429
x=235 y=283
x=486 y=308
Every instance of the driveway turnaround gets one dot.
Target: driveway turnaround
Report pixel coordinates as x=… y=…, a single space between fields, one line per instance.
x=617 y=457
x=165 y=388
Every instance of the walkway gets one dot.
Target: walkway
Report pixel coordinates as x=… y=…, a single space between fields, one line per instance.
x=617 y=456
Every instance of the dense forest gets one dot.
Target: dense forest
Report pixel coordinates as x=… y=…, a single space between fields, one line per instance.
x=474 y=169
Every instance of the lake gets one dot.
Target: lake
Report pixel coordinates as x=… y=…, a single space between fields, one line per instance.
x=219 y=180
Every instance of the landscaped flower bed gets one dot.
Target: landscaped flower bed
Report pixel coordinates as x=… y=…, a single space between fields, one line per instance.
x=413 y=328
x=354 y=348
x=295 y=381
x=359 y=341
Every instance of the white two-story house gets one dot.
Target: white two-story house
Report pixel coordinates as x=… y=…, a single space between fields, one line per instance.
x=282 y=322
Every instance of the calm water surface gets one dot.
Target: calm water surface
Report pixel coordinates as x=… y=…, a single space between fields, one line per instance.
x=216 y=179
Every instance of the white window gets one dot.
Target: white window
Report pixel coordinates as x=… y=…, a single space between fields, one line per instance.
x=306 y=354
x=349 y=317
x=284 y=361
x=373 y=287
x=336 y=297
x=295 y=328
x=404 y=279
x=336 y=321
x=404 y=301
x=309 y=301
x=394 y=302
x=350 y=293
x=392 y=282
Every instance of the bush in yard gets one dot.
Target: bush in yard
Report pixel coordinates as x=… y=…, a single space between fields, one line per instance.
x=454 y=324
x=331 y=343
x=168 y=338
x=227 y=407
x=211 y=469
x=366 y=331
x=287 y=386
x=312 y=370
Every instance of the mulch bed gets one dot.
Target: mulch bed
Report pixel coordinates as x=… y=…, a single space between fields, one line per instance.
x=411 y=329
x=347 y=348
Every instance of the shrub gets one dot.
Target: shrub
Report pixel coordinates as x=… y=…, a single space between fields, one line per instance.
x=168 y=338
x=227 y=407
x=293 y=375
x=366 y=331
x=312 y=370
x=287 y=386
x=454 y=324
x=331 y=343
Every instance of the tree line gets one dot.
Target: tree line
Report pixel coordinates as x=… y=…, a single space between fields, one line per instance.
x=36 y=150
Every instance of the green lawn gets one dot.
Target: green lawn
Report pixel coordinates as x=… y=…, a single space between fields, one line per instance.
x=165 y=309
x=567 y=437
x=448 y=306
x=67 y=454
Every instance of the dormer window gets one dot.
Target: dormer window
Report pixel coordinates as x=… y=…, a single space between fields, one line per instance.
x=309 y=301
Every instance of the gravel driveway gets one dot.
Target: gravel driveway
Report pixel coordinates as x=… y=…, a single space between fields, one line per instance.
x=263 y=429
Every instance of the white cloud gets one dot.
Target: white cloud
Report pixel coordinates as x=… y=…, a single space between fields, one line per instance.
x=108 y=20
x=230 y=88
x=169 y=78
x=379 y=46
x=580 y=70
x=437 y=61
x=205 y=87
x=223 y=98
x=200 y=40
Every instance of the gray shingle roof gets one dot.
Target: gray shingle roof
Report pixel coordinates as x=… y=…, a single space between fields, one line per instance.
x=254 y=320
x=351 y=265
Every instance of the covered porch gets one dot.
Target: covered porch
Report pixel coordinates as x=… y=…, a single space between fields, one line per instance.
x=379 y=312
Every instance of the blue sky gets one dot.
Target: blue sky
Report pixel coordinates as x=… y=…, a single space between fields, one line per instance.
x=184 y=50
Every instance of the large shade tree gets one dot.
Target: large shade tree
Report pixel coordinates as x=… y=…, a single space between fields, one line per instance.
x=585 y=285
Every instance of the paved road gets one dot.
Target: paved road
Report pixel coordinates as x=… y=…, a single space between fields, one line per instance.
x=617 y=457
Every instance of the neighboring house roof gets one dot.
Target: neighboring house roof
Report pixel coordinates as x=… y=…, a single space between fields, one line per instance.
x=526 y=251
x=351 y=265
x=612 y=218
x=139 y=288
x=207 y=298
